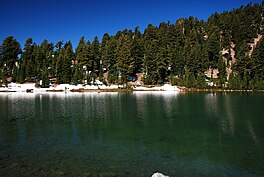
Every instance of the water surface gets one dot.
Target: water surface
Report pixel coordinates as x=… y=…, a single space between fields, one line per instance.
x=132 y=134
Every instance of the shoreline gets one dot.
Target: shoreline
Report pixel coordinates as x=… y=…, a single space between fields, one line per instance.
x=67 y=88
x=185 y=90
x=219 y=90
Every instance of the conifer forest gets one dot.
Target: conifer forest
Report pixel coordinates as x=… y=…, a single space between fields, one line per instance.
x=226 y=50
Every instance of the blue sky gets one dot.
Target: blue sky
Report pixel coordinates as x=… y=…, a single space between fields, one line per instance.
x=66 y=20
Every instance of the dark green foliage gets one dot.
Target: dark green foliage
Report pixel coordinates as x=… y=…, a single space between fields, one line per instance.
x=10 y=49
x=67 y=62
x=28 y=50
x=59 y=67
x=151 y=46
x=189 y=79
x=105 y=50
x=222 y=72
x=45 y=77
x=22 y=72
x=137 y=51
x=95 y=54
x=213 y=49
x=258 y=60
x=124 y=61
x=27 y=58
x=29 y=70
x=112 y=76
x=82 y=52
x=174 y=80
x=77 y=76
x=3 y=81
x=64 y=57
x=201 y=81
x=235 y=82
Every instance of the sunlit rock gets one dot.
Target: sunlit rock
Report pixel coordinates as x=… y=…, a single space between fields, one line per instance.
x=159 y=175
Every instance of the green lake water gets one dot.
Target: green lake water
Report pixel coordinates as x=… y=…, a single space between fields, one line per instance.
x=132 y=134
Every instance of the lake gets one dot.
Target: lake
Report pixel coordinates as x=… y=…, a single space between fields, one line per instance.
x=132 y=134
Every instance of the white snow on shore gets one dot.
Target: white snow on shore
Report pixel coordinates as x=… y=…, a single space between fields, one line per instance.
x=30 y=87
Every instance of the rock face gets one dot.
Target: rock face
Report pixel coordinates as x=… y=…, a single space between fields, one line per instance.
x=158 y=175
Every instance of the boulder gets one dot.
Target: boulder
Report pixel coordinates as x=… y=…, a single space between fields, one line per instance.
x=159 y=175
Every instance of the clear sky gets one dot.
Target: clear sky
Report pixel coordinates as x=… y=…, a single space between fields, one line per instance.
x=65 y=20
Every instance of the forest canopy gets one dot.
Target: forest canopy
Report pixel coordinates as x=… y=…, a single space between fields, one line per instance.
x=226 y=51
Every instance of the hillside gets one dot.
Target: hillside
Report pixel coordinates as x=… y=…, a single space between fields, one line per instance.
x=225 y=50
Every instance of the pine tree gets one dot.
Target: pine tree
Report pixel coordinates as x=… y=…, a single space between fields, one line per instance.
x=27 y=59
x=213 y=49
x=82 y=60
x=137 y=50
x=222 y=71
x=112 y=52
x=150 y=59
x=10 y=49
x=81 y=52
x=95 y=54
x=22 y=72
x=162 y=53
x=90 y=62
x=4 y=81
x=45 y=77
x=192 y=53
x=29 y=70
x=234 y=81
x=105 y=50
x=201 y=81
x=76 y=76
x=125 y=63
x=189 y=79
x=28 y=50
x=258 y=60
x=59 y=67
x=67 y=62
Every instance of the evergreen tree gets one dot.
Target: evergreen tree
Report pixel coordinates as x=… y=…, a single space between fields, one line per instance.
x=201 y=81
x=28 y=50
x=111 y=52
x=45 y=77
x=105 y=50
x=81 y=53
x=27 y=57
x=22 y=72
x=222 y=71
x=82 y=61
x=59 y=45
x=4 y=81
x=234 y=81
x=125 y=63
x=67 y=62
x=162 y=53
x=29 y=70
x=150 y=58
x=137 y=50
x=10 y=49
x=96 y=54
x=90 y=62
x=192 y=53
x=76 y=76
x=59 y=67
x=213 y=48
x=258 y=60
